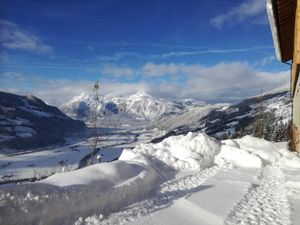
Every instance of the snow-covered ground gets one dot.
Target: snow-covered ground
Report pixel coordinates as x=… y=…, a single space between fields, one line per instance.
x=191 y=179
x=55 y=159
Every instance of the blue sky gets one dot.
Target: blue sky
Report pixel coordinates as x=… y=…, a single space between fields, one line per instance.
x=212 y=50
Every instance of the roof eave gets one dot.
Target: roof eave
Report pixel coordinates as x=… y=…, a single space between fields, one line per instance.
x=273 y=20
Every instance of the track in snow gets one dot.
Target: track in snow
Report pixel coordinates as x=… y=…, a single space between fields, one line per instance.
x=168 y=192
x=265 y=203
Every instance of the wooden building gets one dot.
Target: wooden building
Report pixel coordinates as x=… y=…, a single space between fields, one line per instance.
x=284 y=18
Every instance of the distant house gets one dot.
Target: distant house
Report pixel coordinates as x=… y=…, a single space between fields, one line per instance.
x=284 y=18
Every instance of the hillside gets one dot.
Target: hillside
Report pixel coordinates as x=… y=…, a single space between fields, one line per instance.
x=27 y=122
x=225 y=121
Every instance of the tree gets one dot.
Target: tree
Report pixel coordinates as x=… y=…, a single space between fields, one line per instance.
x=94 y=120
x=258 y=125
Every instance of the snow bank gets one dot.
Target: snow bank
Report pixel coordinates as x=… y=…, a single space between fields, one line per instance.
x=260 y=147
x=239 y=158
x=190 y=152
x=250 y=151
x=61 y=198
x=104 y=175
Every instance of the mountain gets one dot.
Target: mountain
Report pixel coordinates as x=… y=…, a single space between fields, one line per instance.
x=233 y=120
x=139 y=107
x=175 y=116
x=189 y=116
x=27 y=122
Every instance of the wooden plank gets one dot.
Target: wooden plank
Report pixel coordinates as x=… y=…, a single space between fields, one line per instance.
x=295 y=74
x=296 y=57
x=286 y=19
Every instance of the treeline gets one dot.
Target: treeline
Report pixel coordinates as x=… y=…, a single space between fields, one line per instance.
x=266 y=125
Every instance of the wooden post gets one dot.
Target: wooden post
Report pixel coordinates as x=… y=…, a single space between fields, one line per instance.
x=296 y=56
x=296 y=82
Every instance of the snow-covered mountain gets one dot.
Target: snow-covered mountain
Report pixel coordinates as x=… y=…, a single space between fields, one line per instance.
x=176 y=116
x=230 y=120
x=27 y=122
x=137 y=107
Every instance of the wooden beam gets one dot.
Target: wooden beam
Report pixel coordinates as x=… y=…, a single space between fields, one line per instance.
x=296 y=55
x=295 y=76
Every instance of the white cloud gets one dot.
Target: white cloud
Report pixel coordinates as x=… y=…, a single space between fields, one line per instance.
x=231 y=81
x=117 y=71
x=268 y=60
x=223 y=82
x=157 y=70
x=53 y=91
x=250 y=9
x=12 y=36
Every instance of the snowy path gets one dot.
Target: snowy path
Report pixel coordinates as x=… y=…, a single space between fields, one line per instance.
x=217 y=199
x=264 y=203
x=168 y=192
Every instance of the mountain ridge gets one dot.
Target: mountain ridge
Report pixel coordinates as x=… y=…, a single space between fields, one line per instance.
x=27 y=122
x=181 y=115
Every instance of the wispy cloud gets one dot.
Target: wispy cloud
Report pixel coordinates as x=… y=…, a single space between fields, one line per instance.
x=268 y=60
x=12 y=36
x=121 y=55
x=251 y=10
x=214 y=51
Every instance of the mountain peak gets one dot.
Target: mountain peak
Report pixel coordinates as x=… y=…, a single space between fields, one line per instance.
x=140 y=94
x=83 y=96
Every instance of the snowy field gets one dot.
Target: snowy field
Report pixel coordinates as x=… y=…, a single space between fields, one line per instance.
x=67 y=157
x=191 y=179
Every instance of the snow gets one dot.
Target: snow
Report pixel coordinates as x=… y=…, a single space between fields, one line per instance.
x=187 y=117
x=53 y=159
x=60 y=204
x=22 y=131
x=269 y=194
x=186 y=179
x=274 y=29
x=15 y=127
x=6 y=138
x=250 y=151
x=293 y=185
x=146 y=106
x=136 y=107
x=104 y=175
x=239 y=158
x=281 y=106
x=36 y=112
x=192 y=152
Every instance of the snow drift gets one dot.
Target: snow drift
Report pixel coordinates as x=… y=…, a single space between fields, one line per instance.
x=61 y=198
x=104 y=175
x=106 y=187
x=254 y=152
x=190 y=152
